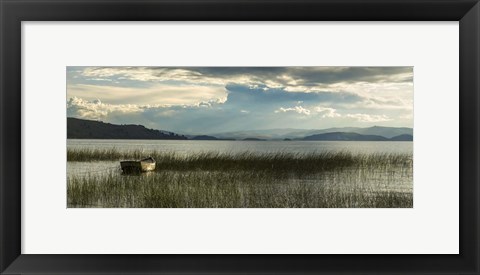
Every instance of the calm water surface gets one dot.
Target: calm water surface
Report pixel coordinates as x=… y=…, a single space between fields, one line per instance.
x=193 y=146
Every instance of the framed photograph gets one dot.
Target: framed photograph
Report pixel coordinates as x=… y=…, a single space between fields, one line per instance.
x=239 y=137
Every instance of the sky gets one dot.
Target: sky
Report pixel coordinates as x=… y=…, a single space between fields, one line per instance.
x=206 y=100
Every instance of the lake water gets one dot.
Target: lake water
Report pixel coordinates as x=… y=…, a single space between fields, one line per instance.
x=358 y=179
x=193 y=146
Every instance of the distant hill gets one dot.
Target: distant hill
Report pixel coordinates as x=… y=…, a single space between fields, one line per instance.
x=204 y=137
x=261 y=134
x=402 y=138
x=281 y=134
x=342 y=136
x=89 y=129
x=254 y=139
x=387 y=132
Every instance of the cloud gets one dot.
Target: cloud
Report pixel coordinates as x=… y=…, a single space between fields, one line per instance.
x=96 y=110
x=296 y=109
x=290 y=78
x=379 y=87
x=368 y=118
x=156 y=95
x=326 y=112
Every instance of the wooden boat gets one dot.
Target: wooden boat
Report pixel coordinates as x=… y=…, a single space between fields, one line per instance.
x=137 y=166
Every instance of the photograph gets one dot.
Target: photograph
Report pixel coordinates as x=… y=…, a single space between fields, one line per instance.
x=239 y=137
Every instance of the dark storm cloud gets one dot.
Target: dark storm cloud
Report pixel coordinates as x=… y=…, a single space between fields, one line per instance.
x=310 y=76
x=284 y=76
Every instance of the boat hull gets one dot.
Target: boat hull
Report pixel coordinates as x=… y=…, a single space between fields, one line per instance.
x=145 y=165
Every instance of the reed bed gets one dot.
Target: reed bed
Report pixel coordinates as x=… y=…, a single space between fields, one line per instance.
x=226 y=190
x=278 y=161
x=246 y=180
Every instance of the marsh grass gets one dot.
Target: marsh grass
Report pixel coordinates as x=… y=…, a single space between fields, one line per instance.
x=247 y=180
x=240 y=189
x=275 y=162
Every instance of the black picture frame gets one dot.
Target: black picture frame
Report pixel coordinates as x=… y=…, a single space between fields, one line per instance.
x=13 y=12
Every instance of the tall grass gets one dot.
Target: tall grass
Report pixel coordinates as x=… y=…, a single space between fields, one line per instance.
x=227 y=190
x=279 y=161
x=253 y=180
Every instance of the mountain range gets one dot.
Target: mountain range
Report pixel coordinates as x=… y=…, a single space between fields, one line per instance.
x=387 y=132
x=89 y=129
x=347 y=136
